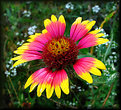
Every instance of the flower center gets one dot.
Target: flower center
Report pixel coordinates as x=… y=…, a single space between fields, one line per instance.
x=58 y=46
x=59 y=52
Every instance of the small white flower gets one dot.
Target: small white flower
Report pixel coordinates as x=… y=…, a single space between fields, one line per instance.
x=31 y=30
x=113 y=53
x=79 y=90
x=72 y=87
x=115 y=56
x=114 y=93
x=114 y=7
x=78 y=87
x=102 y=29
x=34 y=27
x=10 y=61
x=105 y=35
x=73 y=104
x=14 y=72
x=29 y=12
x=115 y=61
x=26 y=13
x=70 y=103
x=111 y=57
x=16 y=33
x=22 y=41
x=89 y=106
x=7 y=66
x=30 y=33
x=96 y=9
x=7 y=73
x=11 y=67
x=69 y=5
x=113 y=76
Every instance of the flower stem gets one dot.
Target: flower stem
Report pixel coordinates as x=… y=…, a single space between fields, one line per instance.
x=108 y=95
x=91 y=50
x=14 y=90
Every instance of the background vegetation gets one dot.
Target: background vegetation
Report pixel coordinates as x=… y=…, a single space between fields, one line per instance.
x=21 y=19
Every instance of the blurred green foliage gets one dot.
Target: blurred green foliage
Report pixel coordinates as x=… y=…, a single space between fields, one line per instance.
x=18 y=17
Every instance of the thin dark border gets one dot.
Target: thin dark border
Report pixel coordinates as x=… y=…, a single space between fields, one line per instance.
x=2 y=39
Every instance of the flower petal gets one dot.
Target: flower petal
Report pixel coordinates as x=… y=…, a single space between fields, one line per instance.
x=41 y=39
x=32 y=37
x=53 y=18
x=36 y=46
x=31 y=55
x=78 y=29
x=27 y=55
x=83 y=73
x=99 y=64
x=85 y=65
x=40 y=89
x=33 y=86
x=34 y=77
x=95 y=71
x=29 y=51
x=62 y=19
x=62 y=25
x=101 y=41
x=65 y=86
x=54 y=27
x=58 y=91
x=91 y=39
x=49 y=90
x=46 y=79
x=20 y=61
x=61 y=80
x=47 y=22
x=16 y=58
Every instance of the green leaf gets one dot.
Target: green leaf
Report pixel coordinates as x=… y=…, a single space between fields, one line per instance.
x=82 y=56
x=109 y=16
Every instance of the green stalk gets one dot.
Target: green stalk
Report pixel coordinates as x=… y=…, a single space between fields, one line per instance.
x=109 y=47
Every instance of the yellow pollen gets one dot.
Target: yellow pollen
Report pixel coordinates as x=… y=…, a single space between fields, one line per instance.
x=58 y=46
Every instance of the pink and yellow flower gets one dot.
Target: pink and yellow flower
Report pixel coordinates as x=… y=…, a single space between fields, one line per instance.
x=58 y=51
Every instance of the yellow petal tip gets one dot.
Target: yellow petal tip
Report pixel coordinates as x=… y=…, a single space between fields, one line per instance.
x=62 y=19
x=101 y=41
x=47 y=22
x=99 y=64
x=53 y=18
x=44 y=31
x=78 y=20
x=90 y=25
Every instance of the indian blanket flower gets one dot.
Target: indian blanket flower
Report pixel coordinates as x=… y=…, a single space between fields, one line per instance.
x=58 y=51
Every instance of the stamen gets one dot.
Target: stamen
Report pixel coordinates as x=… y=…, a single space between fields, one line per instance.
x=58 y=46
